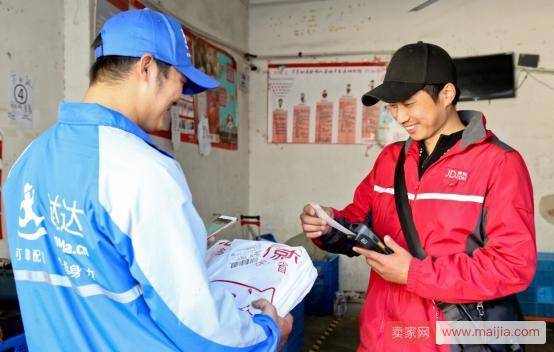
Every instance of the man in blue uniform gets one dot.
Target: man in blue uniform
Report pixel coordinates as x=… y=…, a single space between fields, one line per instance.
x=107 y=247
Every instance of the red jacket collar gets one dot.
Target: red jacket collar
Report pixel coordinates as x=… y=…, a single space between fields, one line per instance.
x=474 y=133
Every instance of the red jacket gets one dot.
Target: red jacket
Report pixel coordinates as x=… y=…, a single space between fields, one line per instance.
x=473 y=211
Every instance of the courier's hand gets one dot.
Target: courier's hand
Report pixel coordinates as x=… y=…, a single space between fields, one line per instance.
x=284 y=324
x=392 y=267
x=312 y=225
x=211 y=241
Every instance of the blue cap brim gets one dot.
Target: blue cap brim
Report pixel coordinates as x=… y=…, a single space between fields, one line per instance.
x=197 y=81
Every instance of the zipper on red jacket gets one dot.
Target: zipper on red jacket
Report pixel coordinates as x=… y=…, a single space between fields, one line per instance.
x=457 y=149
x=436 y=309
x=416 y=191
x=446 y=154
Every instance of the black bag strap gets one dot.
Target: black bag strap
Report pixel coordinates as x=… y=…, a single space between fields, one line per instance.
x=403 y=208
x=414 y=245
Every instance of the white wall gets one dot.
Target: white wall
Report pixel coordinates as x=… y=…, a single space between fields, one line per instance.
x=285 y=177
x=78 y=36
x=31 y=33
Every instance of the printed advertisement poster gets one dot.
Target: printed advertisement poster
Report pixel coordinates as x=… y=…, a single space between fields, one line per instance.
x=321 y=102
x=218 y=105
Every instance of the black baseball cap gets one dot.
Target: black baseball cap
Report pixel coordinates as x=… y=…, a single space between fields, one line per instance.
x=411 y=68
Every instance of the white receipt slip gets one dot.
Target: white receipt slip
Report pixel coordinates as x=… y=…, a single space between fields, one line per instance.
x=330 y=221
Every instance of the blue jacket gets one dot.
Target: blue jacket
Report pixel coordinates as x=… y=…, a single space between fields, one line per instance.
x=108 y=249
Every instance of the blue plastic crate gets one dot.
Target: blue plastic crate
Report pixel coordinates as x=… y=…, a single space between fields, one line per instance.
x=529 y=308
x=545 y=261
x=545 y=294
x=15 y=344
x=529 y=295
x=543 y=278
x=320 y=299
x=545 y=255
x=538 y=299
x=545 y=310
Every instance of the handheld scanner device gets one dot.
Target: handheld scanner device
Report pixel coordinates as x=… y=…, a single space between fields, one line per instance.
x=367 y=239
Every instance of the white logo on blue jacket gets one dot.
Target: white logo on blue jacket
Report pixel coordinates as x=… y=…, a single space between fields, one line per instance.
x=30 y=232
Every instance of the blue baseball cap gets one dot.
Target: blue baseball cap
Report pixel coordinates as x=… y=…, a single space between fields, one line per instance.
x=137 y=32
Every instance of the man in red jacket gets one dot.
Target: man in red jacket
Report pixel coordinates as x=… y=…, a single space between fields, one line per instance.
x=470 y=196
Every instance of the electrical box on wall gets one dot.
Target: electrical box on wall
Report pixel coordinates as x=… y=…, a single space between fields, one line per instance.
x=528 y=60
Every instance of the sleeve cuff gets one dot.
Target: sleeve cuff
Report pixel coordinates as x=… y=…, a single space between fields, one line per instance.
x=272 y=332
x=413 y=274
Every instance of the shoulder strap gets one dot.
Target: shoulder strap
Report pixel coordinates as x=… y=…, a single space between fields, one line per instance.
x=403 y=208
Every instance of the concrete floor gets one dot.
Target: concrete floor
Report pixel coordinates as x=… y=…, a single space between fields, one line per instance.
x=327 y=334
x=342 y=337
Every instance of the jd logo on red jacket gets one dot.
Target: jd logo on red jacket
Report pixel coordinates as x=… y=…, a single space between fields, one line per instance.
x=456 y=175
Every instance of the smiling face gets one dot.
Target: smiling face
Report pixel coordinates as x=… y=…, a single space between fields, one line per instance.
x=421 y=116
x=156 y=96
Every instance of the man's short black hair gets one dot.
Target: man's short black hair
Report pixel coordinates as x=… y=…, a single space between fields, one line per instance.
x=434 y=89
x=114 y=68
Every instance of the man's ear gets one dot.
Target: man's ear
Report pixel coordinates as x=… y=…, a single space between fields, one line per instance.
x=448 y=93
x=145 y=66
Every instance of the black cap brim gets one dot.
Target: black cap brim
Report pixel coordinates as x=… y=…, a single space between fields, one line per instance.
x=391 y=92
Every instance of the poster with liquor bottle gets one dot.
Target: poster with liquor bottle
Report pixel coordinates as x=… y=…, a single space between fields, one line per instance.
x=347 y=117
x=301 y=121
x=320 y=102
x=324 y=119
x=370 y=117
x=279 y=124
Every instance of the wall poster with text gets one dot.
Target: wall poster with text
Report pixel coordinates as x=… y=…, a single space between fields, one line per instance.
x=321 y=102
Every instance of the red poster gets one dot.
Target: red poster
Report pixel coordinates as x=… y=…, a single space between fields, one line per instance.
x=347 y=118
x=301 y=122
x=324 y=120
x=212 y=110
x=279 y=124
x=370 y=116
x=125 y=5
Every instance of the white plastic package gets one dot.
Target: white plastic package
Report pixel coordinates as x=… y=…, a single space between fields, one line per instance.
x=261 y=269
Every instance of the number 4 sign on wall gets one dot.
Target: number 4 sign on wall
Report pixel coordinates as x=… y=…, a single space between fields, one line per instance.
x=20 y=109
